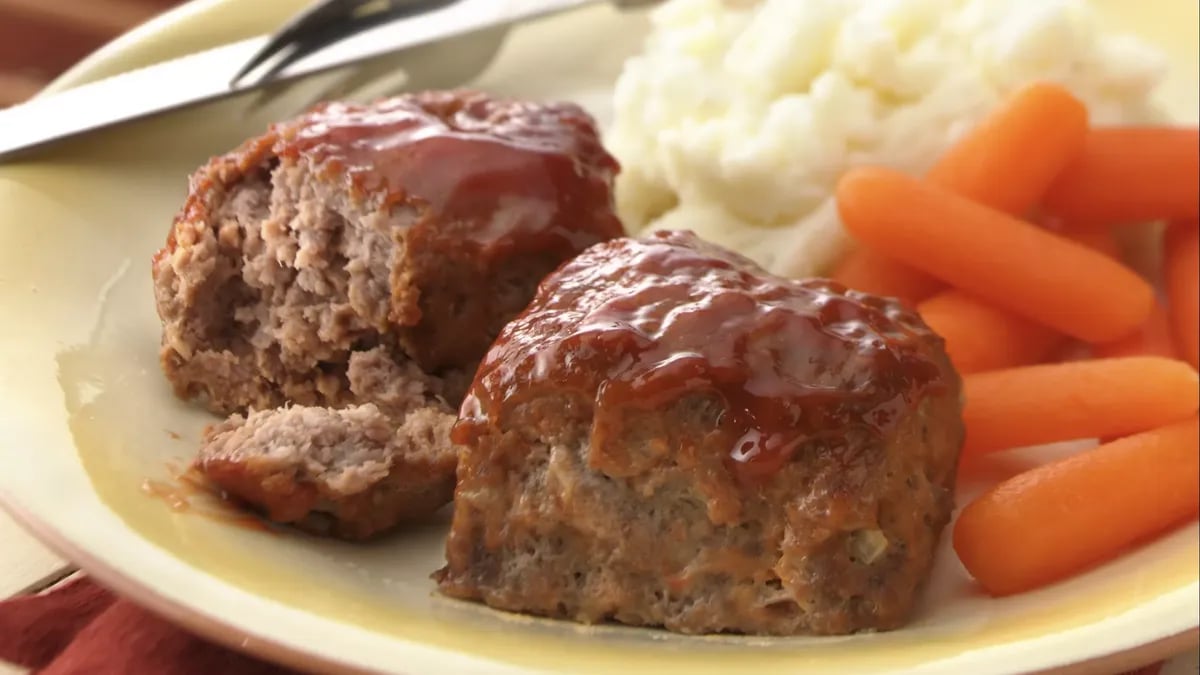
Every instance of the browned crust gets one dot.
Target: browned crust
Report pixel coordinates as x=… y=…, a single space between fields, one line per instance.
x=412 y=492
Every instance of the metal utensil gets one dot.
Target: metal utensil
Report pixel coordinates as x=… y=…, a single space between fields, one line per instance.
x=212 y=75
x=327 y=22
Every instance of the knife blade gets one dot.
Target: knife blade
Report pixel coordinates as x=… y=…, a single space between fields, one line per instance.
x=206 y=76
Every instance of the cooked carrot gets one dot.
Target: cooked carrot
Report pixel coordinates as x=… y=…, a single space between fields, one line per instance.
x=980 y=336
x=1181 y=268
x=1103 y=398
x=867 y=271
x=1128 y=175
x=1070 y=350
x=1063 y=517
x=999 y=258
x=1098 y=240
x=1152 y=338
x=1010 y=160
x=1007 y=163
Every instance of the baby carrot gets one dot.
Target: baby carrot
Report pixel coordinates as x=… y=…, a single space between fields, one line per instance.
x=994 y=256
x=1129 y=175
x=1102 y=398
x=1181 y=267
x=1006 y=162
x=1152 y=338
x=1063 y=517
x=1070 y=350
x=867 y=271
x=1098 y=240
x=1013 y=156
x=980 y=336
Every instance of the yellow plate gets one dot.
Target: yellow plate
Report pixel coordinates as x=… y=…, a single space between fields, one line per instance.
x=87 y=418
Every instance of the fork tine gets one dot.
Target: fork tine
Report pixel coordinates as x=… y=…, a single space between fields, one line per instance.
x=318 y=36
x=323 y=12
x=328 y=22
x=459 y=60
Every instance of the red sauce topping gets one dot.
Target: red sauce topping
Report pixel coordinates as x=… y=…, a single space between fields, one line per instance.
x=641 y=323
x=468 y=157
x=499 y=176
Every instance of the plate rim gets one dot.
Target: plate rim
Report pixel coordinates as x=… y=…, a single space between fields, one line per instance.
x=244 y=636
x=189 y=617
x=104 y=62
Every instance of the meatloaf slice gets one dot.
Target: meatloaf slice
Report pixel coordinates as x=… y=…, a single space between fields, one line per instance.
x=349 y=472
x=352 y=472
x=420 y=223
x=670 y=436
x=354 y=264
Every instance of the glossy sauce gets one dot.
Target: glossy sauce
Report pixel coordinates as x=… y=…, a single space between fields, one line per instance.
x=467 y=158
x=638 y=324
x=490 y=176
x=190 y=491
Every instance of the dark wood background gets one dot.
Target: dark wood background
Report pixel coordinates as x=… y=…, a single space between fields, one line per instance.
x=39 y=39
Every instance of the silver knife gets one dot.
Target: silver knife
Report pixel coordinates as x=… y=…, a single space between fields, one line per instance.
x=206 y=76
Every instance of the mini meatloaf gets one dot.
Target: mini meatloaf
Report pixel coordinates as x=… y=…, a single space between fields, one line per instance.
x=354 y=264
x=670 y=436
x=420 y=223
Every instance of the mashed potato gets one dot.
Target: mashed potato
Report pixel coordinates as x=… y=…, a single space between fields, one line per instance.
x=739 y=116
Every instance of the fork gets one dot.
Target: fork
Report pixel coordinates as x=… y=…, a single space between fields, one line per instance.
x=441 y=64
x=442 y=44
x=327 y=22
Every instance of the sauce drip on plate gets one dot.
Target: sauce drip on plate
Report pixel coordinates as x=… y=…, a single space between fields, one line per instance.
x=188 y=490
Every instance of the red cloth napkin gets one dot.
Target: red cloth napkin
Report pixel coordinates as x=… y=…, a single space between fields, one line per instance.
x=82 y=629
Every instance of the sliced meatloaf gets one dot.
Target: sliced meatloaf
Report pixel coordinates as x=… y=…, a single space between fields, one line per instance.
x=334 y=282
x=352 y=472
x=670 y=436
x=349 y=472
x=420 y=223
